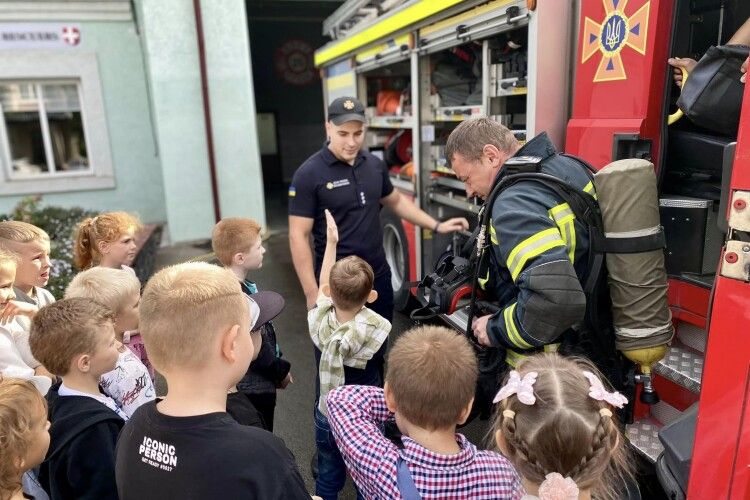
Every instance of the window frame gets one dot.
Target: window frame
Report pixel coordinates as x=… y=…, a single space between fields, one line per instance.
x=50 y=67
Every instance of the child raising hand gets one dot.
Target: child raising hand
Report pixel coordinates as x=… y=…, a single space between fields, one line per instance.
x=555 y=422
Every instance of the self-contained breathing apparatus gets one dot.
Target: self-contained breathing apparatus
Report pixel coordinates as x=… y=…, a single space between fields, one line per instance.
x=625 y=288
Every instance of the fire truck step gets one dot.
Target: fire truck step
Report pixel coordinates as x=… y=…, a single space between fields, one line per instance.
x=683 y=366
x=644 y=436
x=692 y=336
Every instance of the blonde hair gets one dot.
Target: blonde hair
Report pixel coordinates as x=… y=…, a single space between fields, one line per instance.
x=564 y=430
x=351 y=282
x=233 y=235
x=21 y=407
x=110 y=287
x=7 y=258
x=65 y=329
x=20 y=232
x=432 y=374
x=108 y=227
x=182 y=310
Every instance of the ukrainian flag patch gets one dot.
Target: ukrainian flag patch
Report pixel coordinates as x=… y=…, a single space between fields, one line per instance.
x=292 y=191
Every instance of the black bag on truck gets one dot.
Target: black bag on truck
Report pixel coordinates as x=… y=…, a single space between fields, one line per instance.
x=712 y=95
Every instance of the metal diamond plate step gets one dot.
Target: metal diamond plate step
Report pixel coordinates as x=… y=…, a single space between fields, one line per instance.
x=683 y=366
x=644 y=436
x=692 y=336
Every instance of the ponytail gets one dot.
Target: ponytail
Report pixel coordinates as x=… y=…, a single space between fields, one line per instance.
x=83 y=251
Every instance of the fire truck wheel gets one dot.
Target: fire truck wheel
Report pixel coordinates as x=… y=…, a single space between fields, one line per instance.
x=396 y=248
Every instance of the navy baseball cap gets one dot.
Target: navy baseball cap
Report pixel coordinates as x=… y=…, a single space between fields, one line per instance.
x=264 y=306
x=346 y=109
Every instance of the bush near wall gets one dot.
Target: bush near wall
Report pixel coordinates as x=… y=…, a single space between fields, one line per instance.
x=60 y=224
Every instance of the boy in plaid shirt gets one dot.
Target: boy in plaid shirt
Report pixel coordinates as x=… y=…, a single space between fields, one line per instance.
x=429 y=390
x=349 y=341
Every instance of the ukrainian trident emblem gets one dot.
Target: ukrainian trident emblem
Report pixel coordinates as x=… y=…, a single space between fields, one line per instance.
x=618 y=31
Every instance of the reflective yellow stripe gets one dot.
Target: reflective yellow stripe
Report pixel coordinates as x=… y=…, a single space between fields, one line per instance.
x=531 y=247
x=510 y=327
x=493 y=234
x=551 y=347
x=483 y=281
x=564 y=217
x=513 y=358
x=589 y=188
x=572 y=241
x=561 y=212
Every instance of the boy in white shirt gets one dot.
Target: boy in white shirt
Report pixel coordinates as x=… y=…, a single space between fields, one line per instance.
x=31 y=247
x=129 y=384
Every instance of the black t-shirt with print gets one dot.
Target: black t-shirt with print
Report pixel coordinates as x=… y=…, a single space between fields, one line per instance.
x=202 y=457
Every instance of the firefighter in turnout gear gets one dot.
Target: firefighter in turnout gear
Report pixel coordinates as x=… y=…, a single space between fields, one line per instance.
x=539 y=249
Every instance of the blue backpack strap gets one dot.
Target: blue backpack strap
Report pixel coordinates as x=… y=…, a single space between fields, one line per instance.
x=405 y=482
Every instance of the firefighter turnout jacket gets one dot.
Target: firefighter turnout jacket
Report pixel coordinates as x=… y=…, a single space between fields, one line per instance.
x=539 y=257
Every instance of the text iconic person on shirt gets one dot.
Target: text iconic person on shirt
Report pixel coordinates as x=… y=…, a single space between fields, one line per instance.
x=196 y=323
x=555 y=422
x=353 y=184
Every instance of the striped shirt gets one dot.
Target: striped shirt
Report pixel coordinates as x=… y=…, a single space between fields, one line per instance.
x=356 y=414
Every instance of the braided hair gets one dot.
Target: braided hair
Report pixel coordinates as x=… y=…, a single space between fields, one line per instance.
x=565 y=430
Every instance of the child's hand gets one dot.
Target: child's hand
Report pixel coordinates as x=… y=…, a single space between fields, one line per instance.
x=287 y=380
x=14 y=308
x=332 y=232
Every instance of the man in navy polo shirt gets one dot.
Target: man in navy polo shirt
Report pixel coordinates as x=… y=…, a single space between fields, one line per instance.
x=352 y=184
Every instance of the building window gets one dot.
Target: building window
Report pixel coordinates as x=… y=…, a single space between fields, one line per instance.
x=53 y=127
x=44 y=129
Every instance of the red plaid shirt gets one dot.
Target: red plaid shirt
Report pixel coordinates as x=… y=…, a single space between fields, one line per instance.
x=355 y=414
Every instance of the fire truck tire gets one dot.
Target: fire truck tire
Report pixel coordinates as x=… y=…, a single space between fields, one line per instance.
x=396 y=248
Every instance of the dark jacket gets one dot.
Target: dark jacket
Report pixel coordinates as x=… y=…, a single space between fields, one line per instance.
x=539 y=257
x=80 y=463
x=269 y=369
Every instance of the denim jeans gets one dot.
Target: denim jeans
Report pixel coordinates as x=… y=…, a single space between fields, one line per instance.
x=331 y=466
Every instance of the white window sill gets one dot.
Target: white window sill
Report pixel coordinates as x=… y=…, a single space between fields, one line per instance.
x=52 y=184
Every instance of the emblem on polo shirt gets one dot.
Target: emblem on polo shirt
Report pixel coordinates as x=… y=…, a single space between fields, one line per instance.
x=337 y=184
x=348 y=104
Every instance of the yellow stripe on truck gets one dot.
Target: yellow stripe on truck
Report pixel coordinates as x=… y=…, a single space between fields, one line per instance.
x=399 y=20
x=341 y=81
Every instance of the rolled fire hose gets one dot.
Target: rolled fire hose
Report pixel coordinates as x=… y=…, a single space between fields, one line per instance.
x=629 y=202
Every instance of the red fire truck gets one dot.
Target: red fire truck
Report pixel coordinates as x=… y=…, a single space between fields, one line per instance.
x=593 y=73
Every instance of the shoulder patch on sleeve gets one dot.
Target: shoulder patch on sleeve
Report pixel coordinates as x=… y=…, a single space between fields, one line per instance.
x=292 y=191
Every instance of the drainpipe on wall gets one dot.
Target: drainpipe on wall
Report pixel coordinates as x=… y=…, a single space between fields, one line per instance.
x=207 y=109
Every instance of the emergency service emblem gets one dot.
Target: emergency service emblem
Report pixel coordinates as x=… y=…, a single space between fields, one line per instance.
x=617 y=31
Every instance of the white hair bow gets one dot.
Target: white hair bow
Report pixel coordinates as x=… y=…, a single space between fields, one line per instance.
x=523 y=388
x=598 y=392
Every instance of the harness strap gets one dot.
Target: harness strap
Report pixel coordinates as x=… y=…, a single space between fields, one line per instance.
x=405 y=482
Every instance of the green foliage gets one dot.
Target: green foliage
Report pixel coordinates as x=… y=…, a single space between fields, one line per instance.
x=60 y=224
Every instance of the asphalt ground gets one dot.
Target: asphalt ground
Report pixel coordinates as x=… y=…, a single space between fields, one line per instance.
x=294 y=409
